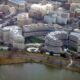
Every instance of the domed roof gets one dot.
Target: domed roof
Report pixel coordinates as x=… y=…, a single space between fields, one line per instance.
x=56 y=35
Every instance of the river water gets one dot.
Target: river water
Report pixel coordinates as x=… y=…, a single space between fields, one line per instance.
x=33 y=71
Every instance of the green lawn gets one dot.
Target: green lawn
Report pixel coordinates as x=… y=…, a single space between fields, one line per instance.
x=33 y=40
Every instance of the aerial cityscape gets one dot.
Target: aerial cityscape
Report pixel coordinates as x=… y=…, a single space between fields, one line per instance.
x=39 y=40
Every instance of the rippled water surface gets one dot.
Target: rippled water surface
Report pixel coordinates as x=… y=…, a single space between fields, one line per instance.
x=33 y=71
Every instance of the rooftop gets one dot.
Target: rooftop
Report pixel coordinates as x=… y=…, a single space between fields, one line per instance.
x=18 y=1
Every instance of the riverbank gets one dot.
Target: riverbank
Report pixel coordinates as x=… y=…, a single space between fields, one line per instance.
x=13 y=57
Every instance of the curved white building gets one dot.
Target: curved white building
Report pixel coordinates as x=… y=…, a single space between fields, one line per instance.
x=54 y=41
